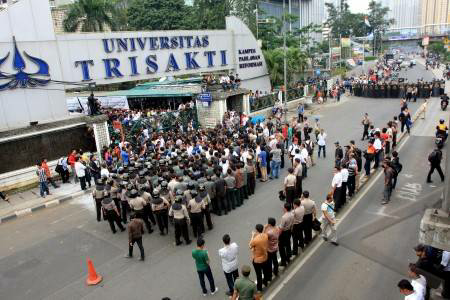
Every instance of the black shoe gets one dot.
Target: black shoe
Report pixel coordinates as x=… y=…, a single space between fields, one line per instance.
x=325 y=238
x=161 y=233
x=122 y=229
x=229 y=293
x=114 y=232
x=188 y=242
x=178 y=243
x=150 y=231
x=142 y=259
x=335 y=243
x=429 y=181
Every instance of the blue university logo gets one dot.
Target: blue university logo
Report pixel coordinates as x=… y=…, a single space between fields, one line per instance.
x=21 y=78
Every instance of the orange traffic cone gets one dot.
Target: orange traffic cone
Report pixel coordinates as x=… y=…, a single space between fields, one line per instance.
x=93 y=277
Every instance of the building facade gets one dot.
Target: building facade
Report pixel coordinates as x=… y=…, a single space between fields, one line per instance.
x=308 y=11
x=435 y=12
x=406 y=13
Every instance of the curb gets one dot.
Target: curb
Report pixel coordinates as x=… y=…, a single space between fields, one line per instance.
x=50 y=203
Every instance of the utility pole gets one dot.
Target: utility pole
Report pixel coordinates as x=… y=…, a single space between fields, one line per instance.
x=257 y=22
x=284 y=62
x=290 y=12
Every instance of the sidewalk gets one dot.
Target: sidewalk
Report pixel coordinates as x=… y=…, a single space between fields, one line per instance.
x=24 y=203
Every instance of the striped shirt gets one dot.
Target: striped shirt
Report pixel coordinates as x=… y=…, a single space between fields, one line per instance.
x=41 y=175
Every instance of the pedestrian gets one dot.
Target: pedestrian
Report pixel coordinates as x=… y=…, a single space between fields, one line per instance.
x=71 y=159
x=388 y=178
x=378 y=145
x=43 y=186
x=309 y=216
x=289 y=186
x=298 y=177
x=297 y=227
x=98 y=194
x=369 y=155
x=244 y=288
x=445 y=267
x=329 y=220
x=196 y=207
x=112 y=214
x=321 y=141
x=275 y=162
x=181 y=220
x=259 y=244
x=344 y=175
x=336 y=188
x=338 y=154
x=160 y=206
x=135 y=232
x=300 y=112
x=408 y=291
x=229 y=256
x=48 y=173
x=62 y=169
x=284 y=241
x=137 y=204
x=352 y=167
x=201 y=258
x=397 y=166
x=434 y=159
x=273 y=234
x=94 y=167
x=419 y=282
x=262 y=158
x=366 y=123
x=80 y=171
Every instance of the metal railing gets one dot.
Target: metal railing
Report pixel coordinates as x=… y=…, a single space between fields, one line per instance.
x=269 y=100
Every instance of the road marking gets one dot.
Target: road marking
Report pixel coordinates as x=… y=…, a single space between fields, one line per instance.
x=291 y=273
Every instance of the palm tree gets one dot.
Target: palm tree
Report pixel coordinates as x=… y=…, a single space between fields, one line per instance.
x=92 y=15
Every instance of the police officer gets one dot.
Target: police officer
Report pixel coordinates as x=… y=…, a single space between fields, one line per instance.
x=210 y=187
x=98 y=194
x=196 y=207
x=231 y=190
x=145 y=194
x=203 y=194
x=181 y=219
x=112 y=214
x=165 y=193
x=160 y=207
x=137 y=204
x=116 y=192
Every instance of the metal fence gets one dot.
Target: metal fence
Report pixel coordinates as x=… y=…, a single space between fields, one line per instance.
x=269 y=100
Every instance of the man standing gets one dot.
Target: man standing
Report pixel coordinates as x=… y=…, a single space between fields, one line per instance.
x=272 y=233
x=435 y=159
x=388 y=177
x=338 y=154
x=297 y=227
x=329 y=220
x=310 y=215
x=321 y=141
x=180 y=219
x=366 y=123
x=259 y=244
x=336 y=187
x=135 y=232
x=300 y=112
x=229 y=255
x=71 y=159
x=298 y=177
x=48 y=173
x=289 y=186
x=244 y=288
x=112 y=214
x=284 y=244
x=43 y=187
x=352 y=173
x=80 y=171
x=200 y=256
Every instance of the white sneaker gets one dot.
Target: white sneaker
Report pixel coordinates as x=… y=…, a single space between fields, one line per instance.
x=215 y=291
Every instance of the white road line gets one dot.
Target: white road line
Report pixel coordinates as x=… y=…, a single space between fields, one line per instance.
x=342 y=217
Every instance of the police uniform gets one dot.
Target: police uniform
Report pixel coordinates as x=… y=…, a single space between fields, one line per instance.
x=148 y=208
x=111 y=214
x=98 y=194
x=206 y=211
x=160 y=207
x=297 y=229
x=137 y=204
x=196 y=206
x=181 y=219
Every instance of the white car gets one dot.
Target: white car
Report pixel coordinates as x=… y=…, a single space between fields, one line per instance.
x=404 y=63
x=413 y=62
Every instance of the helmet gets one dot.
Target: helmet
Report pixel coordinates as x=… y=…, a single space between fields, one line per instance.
x=160 y=179
x=194 y=193
x=164 y=184
x=178 y=198
x=201 y=187
x=179 y=193
x=155 y=193
x=190 y=186
x=441 y=121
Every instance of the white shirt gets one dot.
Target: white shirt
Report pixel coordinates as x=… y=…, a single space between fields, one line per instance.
x=419 y=285
x=337 y=180
x=344 y=173
x=104 y=173
x=79 y=169
x=266 y=132
x=229 y=256
x=292 y=149
x=445 y=261
x=329 y=208
x=321 y=139
x=414 y=296
x=304 y=155
x=377 y=144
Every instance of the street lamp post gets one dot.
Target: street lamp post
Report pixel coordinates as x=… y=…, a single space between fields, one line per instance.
x=284 y=62
x=257 y=22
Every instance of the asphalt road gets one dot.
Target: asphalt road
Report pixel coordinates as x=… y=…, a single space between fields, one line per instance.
x=43 y=256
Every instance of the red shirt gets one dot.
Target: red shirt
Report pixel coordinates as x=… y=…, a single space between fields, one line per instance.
x=46 y=169
x=284 y=131
x=71 y=160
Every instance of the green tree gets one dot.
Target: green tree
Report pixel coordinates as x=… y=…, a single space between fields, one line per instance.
x=158 y=15
x=209 y=14
x=246 y=11
x=91 y=15
x=378 y=22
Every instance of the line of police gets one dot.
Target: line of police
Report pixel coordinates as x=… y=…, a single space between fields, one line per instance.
x=395 y=89
x=148 y=191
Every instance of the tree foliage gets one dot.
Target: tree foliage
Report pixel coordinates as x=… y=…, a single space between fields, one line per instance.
x=158 y=15
x=90 y=15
